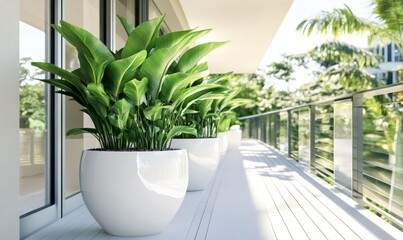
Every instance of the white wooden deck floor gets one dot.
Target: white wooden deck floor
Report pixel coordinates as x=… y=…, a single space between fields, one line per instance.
x=256 y=194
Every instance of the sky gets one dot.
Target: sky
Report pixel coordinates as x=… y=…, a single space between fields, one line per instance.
x=289 y=41
x=32 y=42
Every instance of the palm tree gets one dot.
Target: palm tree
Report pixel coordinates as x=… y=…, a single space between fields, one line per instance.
x=387 y=25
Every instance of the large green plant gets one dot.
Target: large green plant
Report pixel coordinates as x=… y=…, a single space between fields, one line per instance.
x=212 y=111
x=133 y=96
x=226 y=110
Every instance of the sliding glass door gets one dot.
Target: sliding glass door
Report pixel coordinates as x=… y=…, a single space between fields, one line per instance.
x=35 y=167
x=83 y=13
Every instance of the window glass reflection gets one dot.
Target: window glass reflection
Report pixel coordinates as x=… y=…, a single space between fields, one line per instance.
x=124 y=8
x=33 y=159
x=86 y=15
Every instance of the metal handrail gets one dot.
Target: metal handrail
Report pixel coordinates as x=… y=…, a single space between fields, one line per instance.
x=260 y=127
x=369 y=92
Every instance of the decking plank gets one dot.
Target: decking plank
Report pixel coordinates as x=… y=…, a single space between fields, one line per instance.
x=257 y=193
x=90 y=232
x=277 y=225
x=57 y=226
x=283 y=205
x=295 y=203
x=210 y=194
x=364 y=226
x=327 y=209
x=322 y=226
x=239 y=213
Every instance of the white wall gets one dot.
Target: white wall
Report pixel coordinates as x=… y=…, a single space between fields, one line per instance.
x=9 y=119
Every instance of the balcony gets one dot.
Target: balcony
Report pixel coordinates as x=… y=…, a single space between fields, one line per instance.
x=320 y=170
x=257 y=193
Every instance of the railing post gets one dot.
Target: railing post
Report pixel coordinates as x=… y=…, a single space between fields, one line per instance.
x=312 y=150
x=250 y=128
x=357 y=177
x=276 y=129
x=264 y=129
x=271 y=132
x=259 y=124
x=289 y=128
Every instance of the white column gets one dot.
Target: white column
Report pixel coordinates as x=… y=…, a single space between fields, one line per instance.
x=9 y=119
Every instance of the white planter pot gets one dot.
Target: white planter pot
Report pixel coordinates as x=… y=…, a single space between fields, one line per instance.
x=223 y=141
x=203 y=155
x=234 y=138
x=133 y=193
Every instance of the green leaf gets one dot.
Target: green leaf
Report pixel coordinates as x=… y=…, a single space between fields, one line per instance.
x=220 y=78
x=190 y=111
x=191 y=95
x=85 y=42
x=337 y=22
x=126 y=25
x=59 y=83
x=68 y=89
x=198 y=91
x=74 y=84
x=79 y=131
x=156 y=66
x=119 y=114
x=91 y=69
x=204 y=107
x=142 y=37
x=200 y=68
x=153 y=113
x=176 y=82
x=237 y=102
x=98 y=99
x=178 y=130
x=119 y=72
x=64 y=74
x=211 y=115
x=191 y=57
x=135 y=91
x=170 y=39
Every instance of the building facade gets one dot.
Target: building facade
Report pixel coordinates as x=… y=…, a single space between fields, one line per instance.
x=390 y=60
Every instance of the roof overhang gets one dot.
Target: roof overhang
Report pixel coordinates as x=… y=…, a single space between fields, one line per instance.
x=249 y=26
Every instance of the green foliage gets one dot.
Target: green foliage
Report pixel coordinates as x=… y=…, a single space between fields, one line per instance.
x=214 y=111
x=341 y=66
x=203 y=115
x=253 y=88
x=134 y=96
x=333 y=52
x=336 y=68
x=281 y=70
x=32 y=97
x=336 y=22
x=388 y=26
x=227 y=120
x=390 y=14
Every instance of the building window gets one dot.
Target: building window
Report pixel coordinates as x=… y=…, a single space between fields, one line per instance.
x=126 y=9
x=34 y=173
x=396 y=54
x=389 y=55
x=86 y=14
